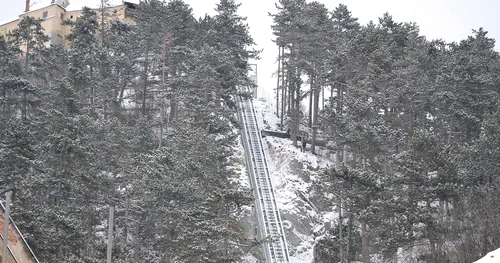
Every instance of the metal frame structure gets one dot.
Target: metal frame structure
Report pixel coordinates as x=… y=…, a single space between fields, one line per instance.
x=256 y=76
x=270 y=224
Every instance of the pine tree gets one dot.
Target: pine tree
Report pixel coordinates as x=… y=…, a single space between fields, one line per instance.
x=10 y=72
x=83 y=54
x=30 y=39
x=233 y=38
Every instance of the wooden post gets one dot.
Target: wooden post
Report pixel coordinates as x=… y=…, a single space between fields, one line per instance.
x=6 y=217
x=110 y=232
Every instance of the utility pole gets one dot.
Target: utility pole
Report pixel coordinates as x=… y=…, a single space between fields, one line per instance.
x=110 y=233
x=6 y=218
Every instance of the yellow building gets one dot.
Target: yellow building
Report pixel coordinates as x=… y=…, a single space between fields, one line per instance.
x=55 y=13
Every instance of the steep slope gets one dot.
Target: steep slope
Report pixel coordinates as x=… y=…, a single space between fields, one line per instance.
x=292 y=172
x=266 y=207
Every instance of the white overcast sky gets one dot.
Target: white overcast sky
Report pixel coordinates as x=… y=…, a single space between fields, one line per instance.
x=451 y=20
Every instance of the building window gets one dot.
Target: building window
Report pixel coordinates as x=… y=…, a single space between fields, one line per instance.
x=62 y=16
x=71 y=17
x=45 y=14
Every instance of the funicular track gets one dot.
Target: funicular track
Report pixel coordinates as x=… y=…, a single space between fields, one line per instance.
x=270 y=225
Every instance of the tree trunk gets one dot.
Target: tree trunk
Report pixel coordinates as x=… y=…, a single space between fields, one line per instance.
x=364 y=244
x=296 y=89
x=323 y=97
x=103 y=8
x=339 y=212
x=92 y=88
x=350 y=223
x=339 y=99
x=173 y=102
x=289 y=80
x=315 y=116
x=164 y=91
x=24 y=109
x=103 y=88
x=145 y=84
x=432 y=242
x=283 y=91
x=278 y=84
x=125 y=225
x=174 y=105
x=365 y=250
x=4 y=106
x=228 y=226
x=341 y=229
x=90 y=230
x=311 y=95
x=110 y=234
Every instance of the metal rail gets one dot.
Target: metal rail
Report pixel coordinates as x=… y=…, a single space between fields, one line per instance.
x=271 y=227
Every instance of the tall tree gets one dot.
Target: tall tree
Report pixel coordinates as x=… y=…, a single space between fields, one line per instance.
x=30 y=39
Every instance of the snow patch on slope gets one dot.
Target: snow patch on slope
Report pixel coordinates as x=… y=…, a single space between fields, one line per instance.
x=492 y=257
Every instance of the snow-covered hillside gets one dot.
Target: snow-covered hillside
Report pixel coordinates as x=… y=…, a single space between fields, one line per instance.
x=292 y=172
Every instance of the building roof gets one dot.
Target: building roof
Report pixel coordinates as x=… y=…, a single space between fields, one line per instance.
x=40 y=4
x=79 y=4
x=74 y=5
x=37 y=4
x=8 y=21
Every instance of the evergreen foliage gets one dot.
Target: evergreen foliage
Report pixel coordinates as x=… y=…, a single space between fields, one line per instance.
x=408 y=119
x=139 y=117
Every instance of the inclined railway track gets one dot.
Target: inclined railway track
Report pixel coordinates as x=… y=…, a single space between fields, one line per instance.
x=270 y=225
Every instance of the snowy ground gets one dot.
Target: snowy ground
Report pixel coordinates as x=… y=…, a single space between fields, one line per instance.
x=292 y=172
x=492 y=257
